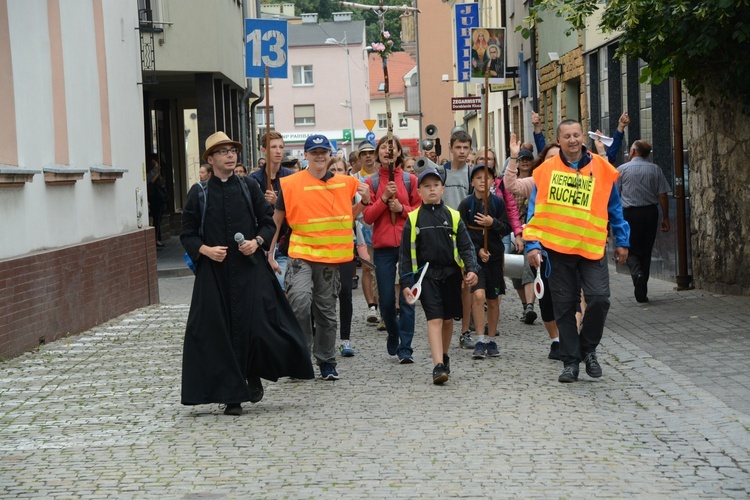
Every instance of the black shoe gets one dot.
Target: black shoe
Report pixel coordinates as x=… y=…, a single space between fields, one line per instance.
x=529 y=316
x=554 y=351
x=256 y=389
x=593 y=369
x=447 y=363
x=234 y=409
x=641 y=289
x=439 y=374
x=569 y=374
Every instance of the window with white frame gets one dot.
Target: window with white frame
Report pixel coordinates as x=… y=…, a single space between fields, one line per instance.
x=304 y=115
x=382 y=121
x=302 y=75
x=260 y=116
x=403 y=122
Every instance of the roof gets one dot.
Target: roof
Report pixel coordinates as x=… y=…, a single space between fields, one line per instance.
x=310 y=34
x=399 y=64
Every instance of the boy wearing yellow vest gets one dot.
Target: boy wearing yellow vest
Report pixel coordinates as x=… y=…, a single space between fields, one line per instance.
x=435 y=234
x=573 y=200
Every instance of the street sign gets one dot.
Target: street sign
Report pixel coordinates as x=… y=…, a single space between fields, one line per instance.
x=265 y=46
x=370 y=136
x=466 y=103
x=369 y=124
x=347 y=135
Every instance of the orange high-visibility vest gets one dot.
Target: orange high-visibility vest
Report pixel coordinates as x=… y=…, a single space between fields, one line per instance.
x=320 y=215
x=570 y=214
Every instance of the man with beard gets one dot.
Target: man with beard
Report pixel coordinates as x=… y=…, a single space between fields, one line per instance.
x=240 y=327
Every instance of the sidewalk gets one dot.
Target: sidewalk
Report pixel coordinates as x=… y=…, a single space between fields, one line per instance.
x=98 y=415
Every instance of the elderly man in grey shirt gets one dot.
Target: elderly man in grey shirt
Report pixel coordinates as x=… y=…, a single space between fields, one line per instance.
x=642 y=186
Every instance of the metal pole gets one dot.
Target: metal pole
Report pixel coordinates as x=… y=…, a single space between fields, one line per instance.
x=351 y=103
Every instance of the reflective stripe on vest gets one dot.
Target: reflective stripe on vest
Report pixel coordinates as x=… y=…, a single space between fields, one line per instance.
x=570 y=214
x=320 y=215
x=455 y=219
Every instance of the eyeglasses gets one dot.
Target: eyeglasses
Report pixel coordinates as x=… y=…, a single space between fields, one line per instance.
x=225 y=151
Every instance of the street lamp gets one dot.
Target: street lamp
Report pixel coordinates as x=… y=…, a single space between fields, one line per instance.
x=342 y=43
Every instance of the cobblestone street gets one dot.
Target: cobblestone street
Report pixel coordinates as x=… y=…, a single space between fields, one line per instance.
x=97 y=415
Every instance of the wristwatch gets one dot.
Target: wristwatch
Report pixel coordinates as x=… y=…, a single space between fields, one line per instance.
x=259 y=240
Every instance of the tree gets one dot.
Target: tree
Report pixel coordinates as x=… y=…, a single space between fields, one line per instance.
x=705 y=44
x=701 y=42
x=326 y=8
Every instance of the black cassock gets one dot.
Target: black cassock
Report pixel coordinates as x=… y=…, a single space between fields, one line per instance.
x=240 y=322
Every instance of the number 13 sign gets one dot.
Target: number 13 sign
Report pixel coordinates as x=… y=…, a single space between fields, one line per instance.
x=265 y=45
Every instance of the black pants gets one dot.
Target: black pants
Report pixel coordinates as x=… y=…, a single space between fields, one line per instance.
x=346 y=271
x=643 y=223
x=570 y=273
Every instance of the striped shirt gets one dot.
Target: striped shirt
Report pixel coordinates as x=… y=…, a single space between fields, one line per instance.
x=640 y=183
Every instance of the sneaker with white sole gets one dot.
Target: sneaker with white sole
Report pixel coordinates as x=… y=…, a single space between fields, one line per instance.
x=346 y=349
x=480 y=351
x=466 y=341
x=373 y=316
x=492 y=350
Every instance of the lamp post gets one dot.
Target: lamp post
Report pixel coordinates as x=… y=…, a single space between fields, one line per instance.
x=333 y=41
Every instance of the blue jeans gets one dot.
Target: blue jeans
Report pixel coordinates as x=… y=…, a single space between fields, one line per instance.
x=281 y=261
x=400 y=329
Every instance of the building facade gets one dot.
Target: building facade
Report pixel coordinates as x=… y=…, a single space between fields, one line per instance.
x=326 y=91
x=76 y=249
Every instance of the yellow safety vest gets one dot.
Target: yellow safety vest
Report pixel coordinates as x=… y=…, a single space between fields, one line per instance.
x=570 y=214
x=455 y=219
x=320 y=215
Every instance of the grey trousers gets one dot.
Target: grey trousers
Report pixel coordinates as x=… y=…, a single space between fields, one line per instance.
x=312 y=289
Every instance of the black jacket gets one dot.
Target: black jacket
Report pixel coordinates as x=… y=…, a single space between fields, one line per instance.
x=434 y=245
x=497 y=231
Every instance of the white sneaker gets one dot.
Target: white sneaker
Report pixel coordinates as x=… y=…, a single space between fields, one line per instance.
x=373 y=316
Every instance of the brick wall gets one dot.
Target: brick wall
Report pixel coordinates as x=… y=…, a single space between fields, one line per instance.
x=47 y=295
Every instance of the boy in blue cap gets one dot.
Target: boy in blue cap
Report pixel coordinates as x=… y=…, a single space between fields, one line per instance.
x=435 y=234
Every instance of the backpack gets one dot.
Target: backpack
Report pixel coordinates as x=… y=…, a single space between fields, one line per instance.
x=202 y=199
x=375 y=180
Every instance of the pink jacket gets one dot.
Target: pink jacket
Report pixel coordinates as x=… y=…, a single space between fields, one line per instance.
x=510 y=206
x=521 y=187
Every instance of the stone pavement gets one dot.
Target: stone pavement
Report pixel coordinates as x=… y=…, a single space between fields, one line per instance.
x=98 y=415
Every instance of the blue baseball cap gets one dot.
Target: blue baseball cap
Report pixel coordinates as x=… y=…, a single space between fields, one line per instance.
x=480 y=168
x=317 y=142
x=426 y=172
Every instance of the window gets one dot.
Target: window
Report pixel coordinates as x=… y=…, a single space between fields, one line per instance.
x=603 y=92
x=647 y=127
x=381 y=87
x=304 y=115
x=302 y=75
x=402 y=121
x=260 y=116
x=382 y=121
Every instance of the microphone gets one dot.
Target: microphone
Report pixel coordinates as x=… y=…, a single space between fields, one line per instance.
x=240 y=239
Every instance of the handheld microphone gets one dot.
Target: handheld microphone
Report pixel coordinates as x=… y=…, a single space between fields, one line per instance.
x=240 y=239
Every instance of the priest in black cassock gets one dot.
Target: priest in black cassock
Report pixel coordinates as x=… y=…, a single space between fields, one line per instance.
x=240 y=327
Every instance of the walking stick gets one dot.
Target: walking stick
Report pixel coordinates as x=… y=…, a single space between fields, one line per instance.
x=384 y=48
x=486 y=154
x=389 y=118
x=269 y=185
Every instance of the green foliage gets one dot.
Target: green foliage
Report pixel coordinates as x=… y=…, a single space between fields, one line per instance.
x=326 y=8
x=705 y=43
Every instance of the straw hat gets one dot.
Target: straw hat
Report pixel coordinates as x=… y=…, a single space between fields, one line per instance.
x=219 y=139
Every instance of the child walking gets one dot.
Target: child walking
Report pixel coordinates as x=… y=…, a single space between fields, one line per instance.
x=434 y=233
x=491 y=282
